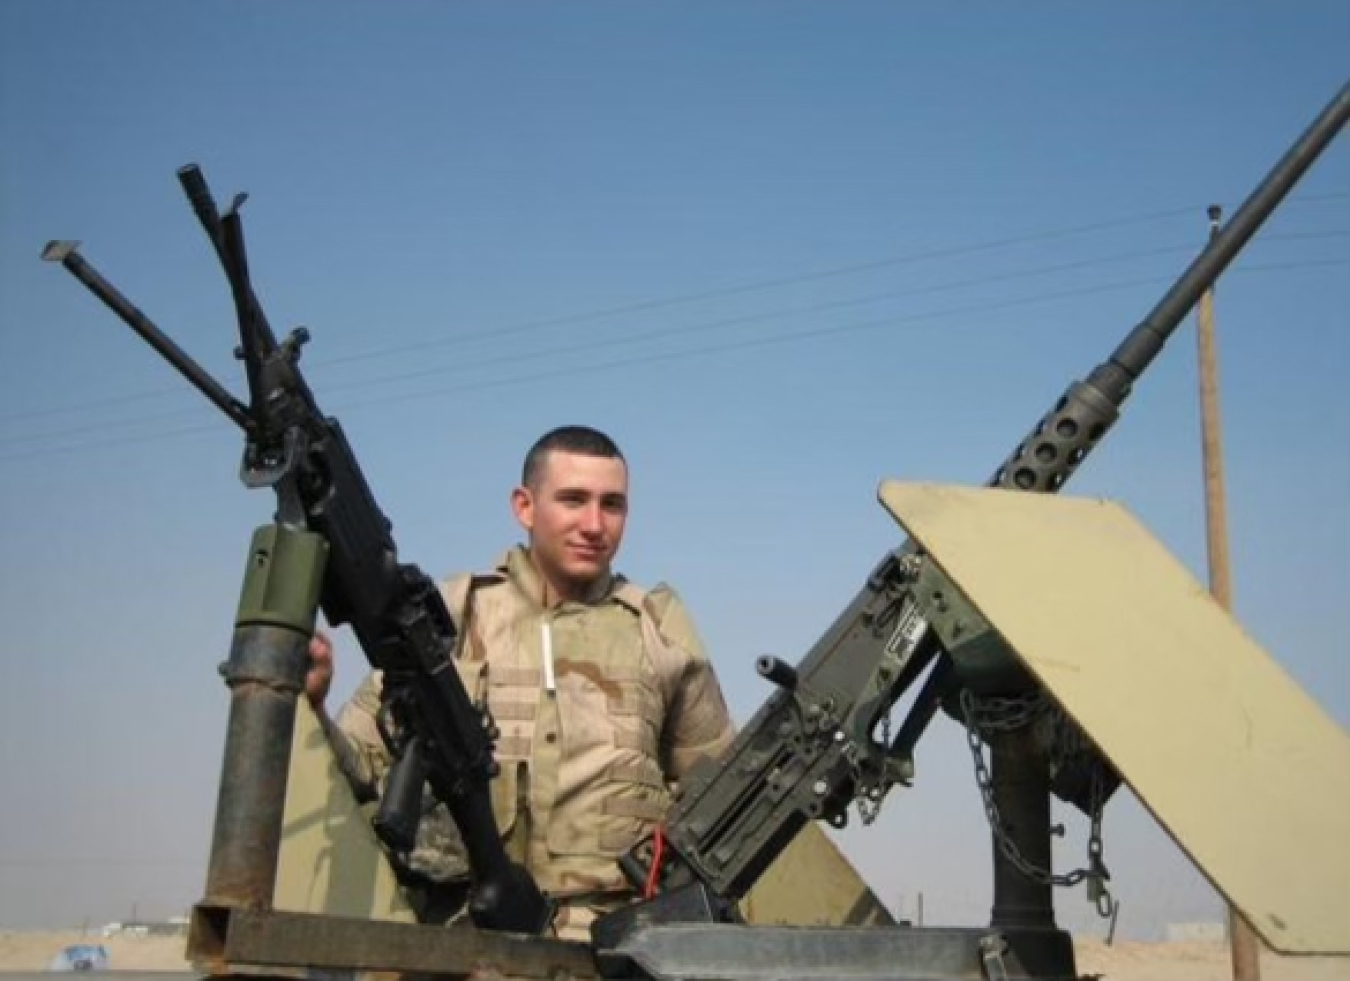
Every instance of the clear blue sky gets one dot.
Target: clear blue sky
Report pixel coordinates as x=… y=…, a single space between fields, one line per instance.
x=781 y=251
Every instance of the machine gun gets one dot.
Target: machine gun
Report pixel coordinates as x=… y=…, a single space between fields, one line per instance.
x=822 y=740
x=330 y=547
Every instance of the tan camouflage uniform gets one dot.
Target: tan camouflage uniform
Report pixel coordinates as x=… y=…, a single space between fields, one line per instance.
x=587 y=755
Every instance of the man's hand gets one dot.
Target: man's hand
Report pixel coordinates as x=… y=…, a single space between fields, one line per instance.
x=319 y=677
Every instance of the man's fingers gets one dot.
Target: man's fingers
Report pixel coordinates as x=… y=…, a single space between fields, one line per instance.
x=320 y=647
x=320 y=673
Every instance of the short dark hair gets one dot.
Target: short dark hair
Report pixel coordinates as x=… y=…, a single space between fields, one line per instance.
x=568 y=439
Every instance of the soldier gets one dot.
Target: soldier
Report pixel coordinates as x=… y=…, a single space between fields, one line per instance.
x=601 y=690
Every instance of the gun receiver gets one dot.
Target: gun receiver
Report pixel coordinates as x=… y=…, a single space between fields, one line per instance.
x=435 y=733
x=813 y=747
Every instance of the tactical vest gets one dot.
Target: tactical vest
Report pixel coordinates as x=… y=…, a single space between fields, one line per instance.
x=579 y=694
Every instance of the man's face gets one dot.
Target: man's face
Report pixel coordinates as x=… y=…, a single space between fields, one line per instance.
x=575 y=517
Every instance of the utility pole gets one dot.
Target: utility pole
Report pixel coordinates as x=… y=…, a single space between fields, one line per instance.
x=1244 y=947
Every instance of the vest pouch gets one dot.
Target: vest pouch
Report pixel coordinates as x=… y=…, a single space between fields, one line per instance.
x=605 y=817
x=505 y=790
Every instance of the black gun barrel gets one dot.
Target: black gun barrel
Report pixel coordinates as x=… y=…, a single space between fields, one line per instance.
x=199 y=196
x=1064 y=437
x=65 y=253
x=1138 y=349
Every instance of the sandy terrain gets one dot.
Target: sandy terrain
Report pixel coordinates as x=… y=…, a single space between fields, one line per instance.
x=33 y=951
x=1196 y=961
x=1122 y=962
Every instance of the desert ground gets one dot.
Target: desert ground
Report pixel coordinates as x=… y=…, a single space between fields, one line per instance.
x=1192 y=961
x=34 y=950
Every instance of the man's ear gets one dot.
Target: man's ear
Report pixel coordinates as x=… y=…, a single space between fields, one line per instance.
x=522 y=506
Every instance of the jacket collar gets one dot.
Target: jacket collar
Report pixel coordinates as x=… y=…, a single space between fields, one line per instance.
x=516 y=565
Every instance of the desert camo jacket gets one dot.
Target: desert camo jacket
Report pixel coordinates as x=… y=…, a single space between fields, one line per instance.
x=602 y=706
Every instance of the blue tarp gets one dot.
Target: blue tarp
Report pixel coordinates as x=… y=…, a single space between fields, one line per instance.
x=81 y=957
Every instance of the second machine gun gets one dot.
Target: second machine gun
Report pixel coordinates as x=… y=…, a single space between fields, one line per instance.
x=822 y=741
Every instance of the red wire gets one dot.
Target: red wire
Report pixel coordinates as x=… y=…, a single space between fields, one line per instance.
x=658 y=855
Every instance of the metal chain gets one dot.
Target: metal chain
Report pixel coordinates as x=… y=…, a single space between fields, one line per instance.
x=998 y=714
x=870 y=789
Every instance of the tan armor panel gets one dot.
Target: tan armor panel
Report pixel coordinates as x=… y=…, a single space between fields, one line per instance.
x=1238 y=764
x=812 y=884
x=330 y=861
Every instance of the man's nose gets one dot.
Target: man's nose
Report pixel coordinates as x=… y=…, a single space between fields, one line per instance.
x=591 y=519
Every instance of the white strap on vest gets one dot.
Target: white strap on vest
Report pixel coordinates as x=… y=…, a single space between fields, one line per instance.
x=546 y=642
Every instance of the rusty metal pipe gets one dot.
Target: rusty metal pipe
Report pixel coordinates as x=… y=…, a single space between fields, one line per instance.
x=265 y=674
